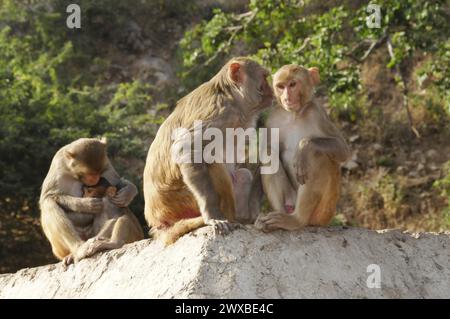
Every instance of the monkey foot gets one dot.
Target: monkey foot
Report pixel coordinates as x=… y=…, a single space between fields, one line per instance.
x=260 y=224
x=223 y=227
x=276 y=220
x=67 y=261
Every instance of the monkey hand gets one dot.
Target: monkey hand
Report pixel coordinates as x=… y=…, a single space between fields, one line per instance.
x=84 y=251
x=222 y=227
x=92 y=205
x=259 y=224
x=277 y=220
x=90 y=247
x=301 y=161
x=67 y=261
x=124 y=196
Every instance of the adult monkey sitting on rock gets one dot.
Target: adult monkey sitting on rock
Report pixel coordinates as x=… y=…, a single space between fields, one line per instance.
x=305 y=189
x=180 y=197
x=67 y=219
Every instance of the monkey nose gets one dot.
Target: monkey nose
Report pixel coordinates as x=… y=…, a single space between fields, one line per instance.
x=91 y=180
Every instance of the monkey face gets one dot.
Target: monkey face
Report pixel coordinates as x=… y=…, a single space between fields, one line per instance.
x=90 y=179
x=101 y=189
x=94 y=191
x=294 y=86
x=265 y=90
x=251 y=78
x=87 y=159
x=258 y=87
x=289 y=94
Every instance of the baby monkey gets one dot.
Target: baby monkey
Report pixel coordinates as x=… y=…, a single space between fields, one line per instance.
x=305 y=189
x=102 y=189
x=104 y=222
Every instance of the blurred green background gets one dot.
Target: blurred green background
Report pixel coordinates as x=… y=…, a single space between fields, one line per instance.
x=121 y=74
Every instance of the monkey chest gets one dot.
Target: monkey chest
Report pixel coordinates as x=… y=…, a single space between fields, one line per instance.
x=290 y=136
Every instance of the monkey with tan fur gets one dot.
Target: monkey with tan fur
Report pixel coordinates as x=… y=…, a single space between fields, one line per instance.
x=68 y=219
x=305 y=189
x=180 y=197
x=104 y=224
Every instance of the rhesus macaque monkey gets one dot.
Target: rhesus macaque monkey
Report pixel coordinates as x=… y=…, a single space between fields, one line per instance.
x=100 y=190
x=181 y=197
x=305 y=189
x=68 y=219
x=104 y=223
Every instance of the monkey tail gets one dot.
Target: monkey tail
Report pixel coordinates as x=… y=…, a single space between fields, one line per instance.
x=171 y=234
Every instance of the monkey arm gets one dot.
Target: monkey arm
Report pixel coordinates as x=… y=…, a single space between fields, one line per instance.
x=127 y=192
x=334 y=147
x=197 y=178
x=111 y=174
x=78 y=204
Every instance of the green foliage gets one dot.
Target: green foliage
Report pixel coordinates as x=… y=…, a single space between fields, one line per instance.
x=443 y=185
x=46 y=102
x=278 y=32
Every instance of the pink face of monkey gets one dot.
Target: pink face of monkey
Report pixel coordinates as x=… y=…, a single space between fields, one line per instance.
x=90 y=179
x=294 y=85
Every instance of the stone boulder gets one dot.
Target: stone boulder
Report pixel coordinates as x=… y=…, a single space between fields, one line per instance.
x=312 y=263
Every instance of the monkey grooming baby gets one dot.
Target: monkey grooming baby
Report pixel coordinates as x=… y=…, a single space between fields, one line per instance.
x=75 y=225
x=110 y=213
x=102 y=189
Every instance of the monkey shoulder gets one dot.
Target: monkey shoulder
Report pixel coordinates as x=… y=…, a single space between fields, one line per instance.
x=277 y=117
x=326 y=125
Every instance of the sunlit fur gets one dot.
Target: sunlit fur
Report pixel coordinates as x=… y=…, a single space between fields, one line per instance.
x=307 y=78
x=170 y=206
x=62 y=188
x=308 y=136
x=87 y=156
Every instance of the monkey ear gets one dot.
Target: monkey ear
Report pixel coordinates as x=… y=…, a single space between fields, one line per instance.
x=236 y=72
x=69 y=154
x=104 y=140
x=314 y=73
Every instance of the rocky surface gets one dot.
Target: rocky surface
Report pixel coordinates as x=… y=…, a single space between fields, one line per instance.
x=313 y=263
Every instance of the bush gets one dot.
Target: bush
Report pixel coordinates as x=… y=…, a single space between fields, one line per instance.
x=46 y=102
x=278 y=32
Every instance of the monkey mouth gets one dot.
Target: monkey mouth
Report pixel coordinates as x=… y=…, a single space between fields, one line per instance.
x=290 y=105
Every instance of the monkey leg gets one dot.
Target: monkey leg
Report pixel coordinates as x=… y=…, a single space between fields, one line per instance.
x=114 y=234
x=223 y=185
x=93 y=246
x=278 y=190
x=107 y=229
x=280 y=194
x=126 y=230
x=59 y=229
x=256 y=196
x=242 y=183
x=326 y=209
x=314 y=198
x=309 y=200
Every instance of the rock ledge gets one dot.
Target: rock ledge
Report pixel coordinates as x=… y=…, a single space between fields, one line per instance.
x=312 y=263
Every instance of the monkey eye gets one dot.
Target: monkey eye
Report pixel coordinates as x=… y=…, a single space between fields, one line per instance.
x=292 y=84
x=280 y=86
